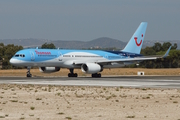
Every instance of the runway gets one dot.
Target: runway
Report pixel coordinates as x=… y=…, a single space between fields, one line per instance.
x=124 y=81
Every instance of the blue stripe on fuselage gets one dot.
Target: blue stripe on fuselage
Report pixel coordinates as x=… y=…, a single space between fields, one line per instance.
x=40 y=55
x=126 y=54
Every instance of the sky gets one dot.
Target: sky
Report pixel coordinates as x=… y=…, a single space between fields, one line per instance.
x=86 y=20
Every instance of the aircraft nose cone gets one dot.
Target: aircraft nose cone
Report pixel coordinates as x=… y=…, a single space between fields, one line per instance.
x=12 y=61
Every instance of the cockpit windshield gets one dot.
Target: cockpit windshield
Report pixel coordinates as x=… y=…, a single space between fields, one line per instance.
x=19 y=55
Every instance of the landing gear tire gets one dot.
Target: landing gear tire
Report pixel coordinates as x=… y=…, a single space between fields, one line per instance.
x=72 y=75
x=75 y=74
x=29 y=75
x=96 y=75
x=28 y=72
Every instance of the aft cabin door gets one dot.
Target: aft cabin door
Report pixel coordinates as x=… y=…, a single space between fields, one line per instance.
x=32 y=56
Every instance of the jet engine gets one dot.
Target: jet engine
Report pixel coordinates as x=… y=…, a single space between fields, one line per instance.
x=49 y=69
x=91 y=68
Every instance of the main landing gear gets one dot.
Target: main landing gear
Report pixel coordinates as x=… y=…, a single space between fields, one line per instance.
x=28 y=72
x=72 y=74
x=96 y=75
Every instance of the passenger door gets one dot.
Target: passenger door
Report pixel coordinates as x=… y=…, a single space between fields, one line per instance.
x=32 y=55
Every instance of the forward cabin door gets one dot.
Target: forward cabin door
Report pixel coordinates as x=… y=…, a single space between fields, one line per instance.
x=32 y=55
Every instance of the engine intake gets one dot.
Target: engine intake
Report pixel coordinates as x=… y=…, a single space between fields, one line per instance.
x=49 y=69
x=91 y=68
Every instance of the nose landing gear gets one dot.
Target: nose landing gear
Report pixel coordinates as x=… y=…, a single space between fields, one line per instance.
x=28 y=72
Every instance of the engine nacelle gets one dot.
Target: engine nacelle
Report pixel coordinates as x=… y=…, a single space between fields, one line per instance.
x=49 y=69
x=91 y=68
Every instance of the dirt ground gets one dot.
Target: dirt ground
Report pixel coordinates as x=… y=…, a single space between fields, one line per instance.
x=36 y=102
x=116 y=71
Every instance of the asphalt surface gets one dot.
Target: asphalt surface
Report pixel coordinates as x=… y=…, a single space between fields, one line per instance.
x=124 y=81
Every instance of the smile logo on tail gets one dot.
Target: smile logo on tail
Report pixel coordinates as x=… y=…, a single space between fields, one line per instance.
x=138 y=44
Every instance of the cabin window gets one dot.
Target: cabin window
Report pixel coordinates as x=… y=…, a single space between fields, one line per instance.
x=19 y=55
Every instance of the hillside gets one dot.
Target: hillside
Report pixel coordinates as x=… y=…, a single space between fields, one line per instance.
x=103 y=42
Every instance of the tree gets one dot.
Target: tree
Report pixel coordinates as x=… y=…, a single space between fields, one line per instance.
x=1 y=49
x=148 y=51
x=157 y=47
x=6 y=52
x=10 y=50
x=166 y=45
x=48 y=46
x=174 y=46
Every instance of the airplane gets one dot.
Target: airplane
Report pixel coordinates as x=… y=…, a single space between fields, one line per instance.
x=89 y=61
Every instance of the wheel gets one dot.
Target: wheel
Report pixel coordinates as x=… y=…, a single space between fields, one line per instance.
x=75 y=74
x=69 y=75
x=72 y=75
x=99 y=75
x=96 y=75
x=28 y=75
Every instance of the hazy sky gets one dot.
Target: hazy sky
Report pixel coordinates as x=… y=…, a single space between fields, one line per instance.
x=88 y=19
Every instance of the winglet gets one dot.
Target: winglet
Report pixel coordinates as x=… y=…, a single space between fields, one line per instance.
x=167 y=52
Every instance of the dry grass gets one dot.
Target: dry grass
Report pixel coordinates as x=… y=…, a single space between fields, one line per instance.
x=116 y=71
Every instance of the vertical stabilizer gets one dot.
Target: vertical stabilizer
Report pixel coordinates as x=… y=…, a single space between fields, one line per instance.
x=135 y=43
